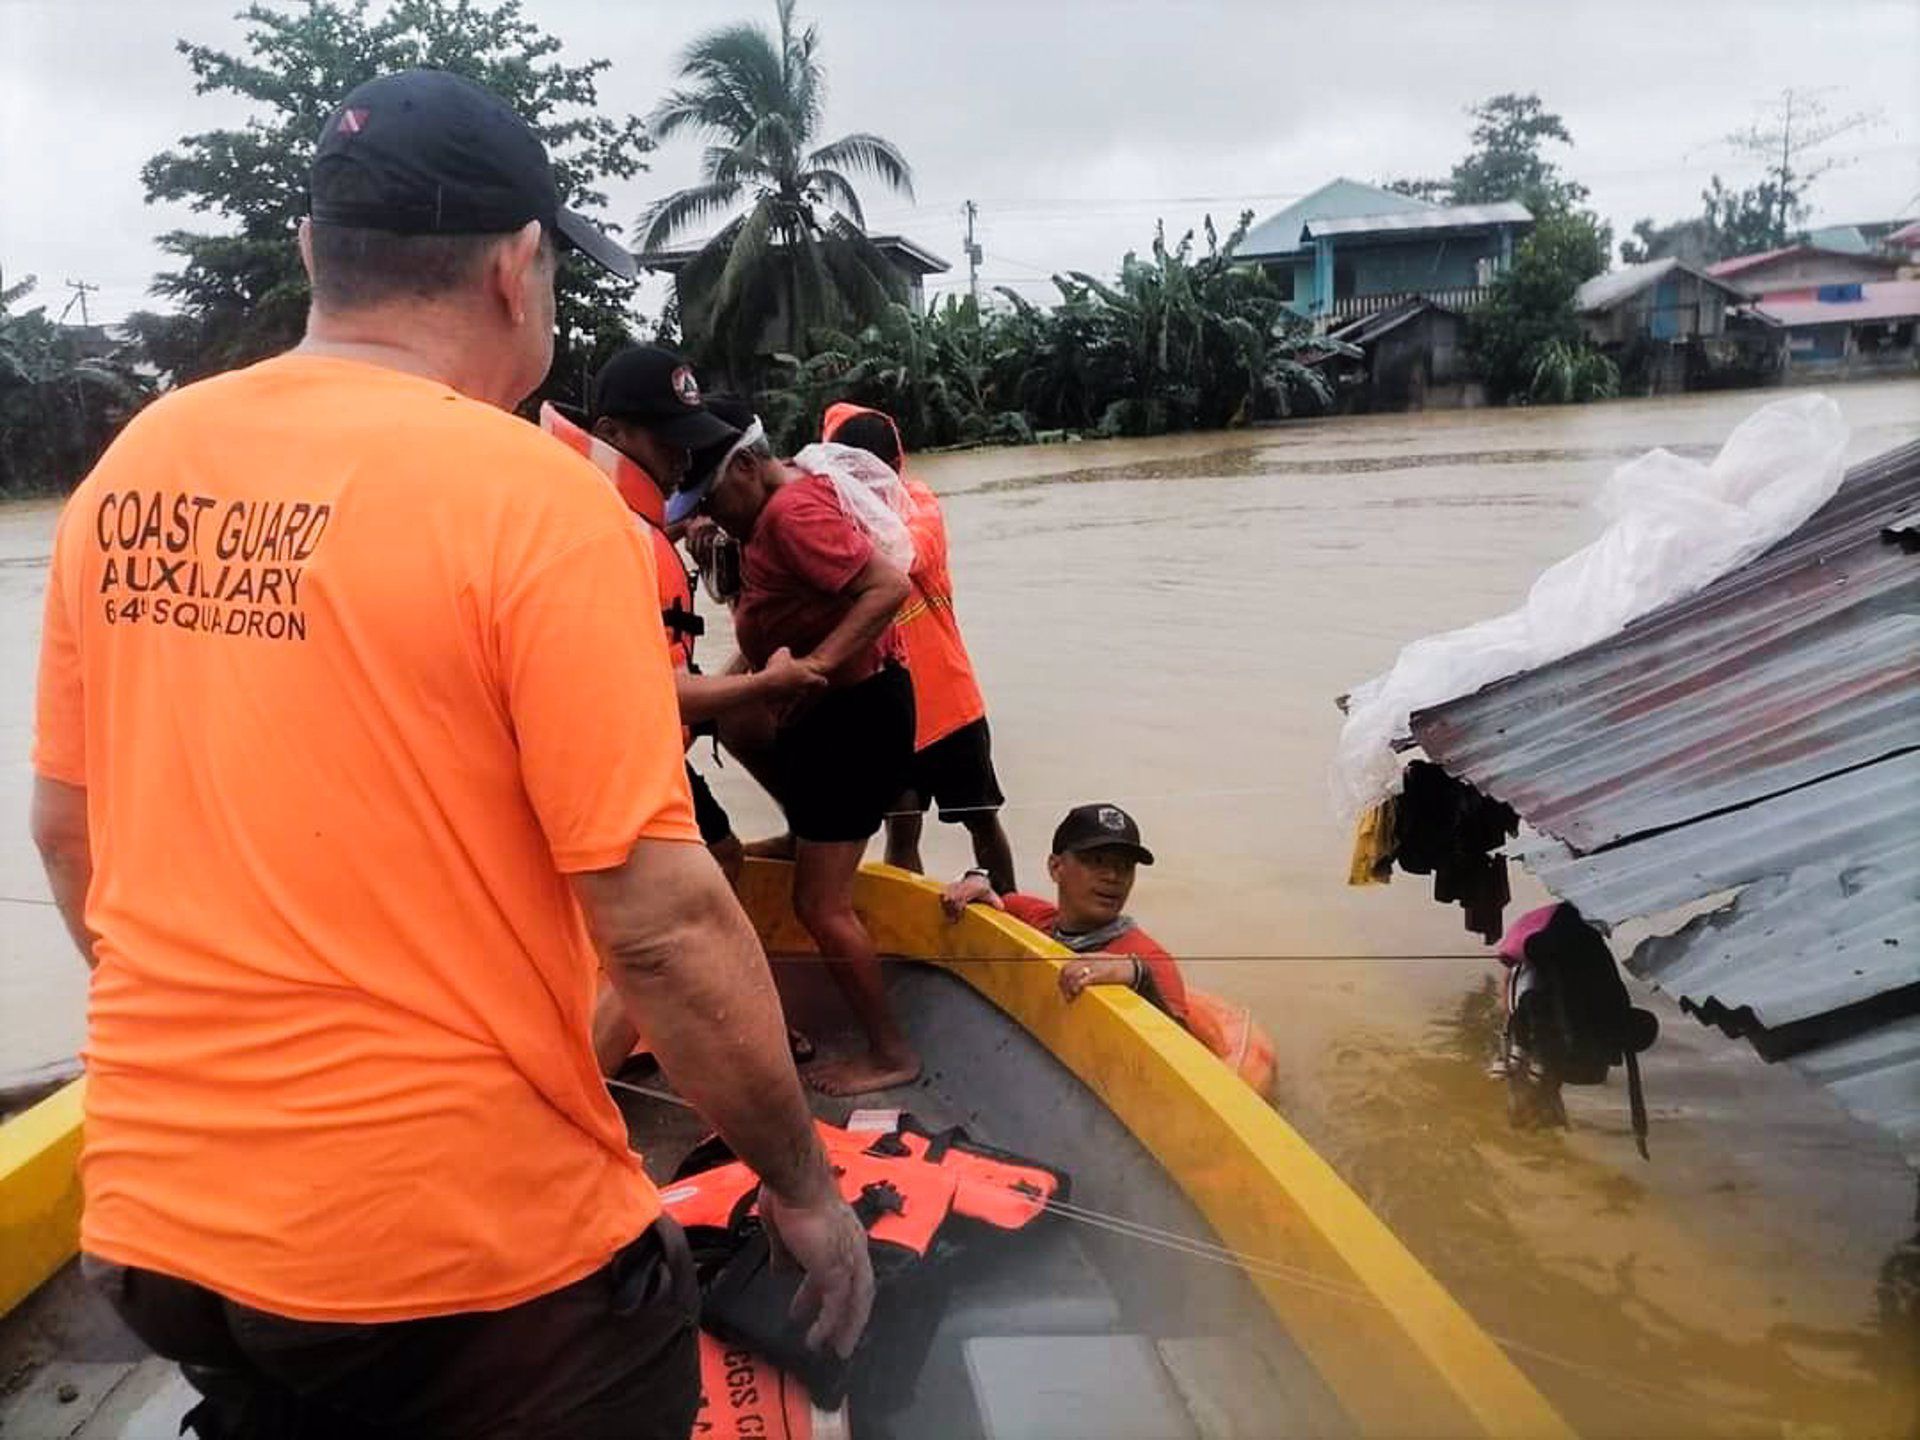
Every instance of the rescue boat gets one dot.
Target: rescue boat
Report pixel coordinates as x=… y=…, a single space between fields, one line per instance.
x=1210 y=1276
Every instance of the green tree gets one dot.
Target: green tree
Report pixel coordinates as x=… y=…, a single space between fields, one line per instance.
x=1509 y=134
x=799 y=253
x=1787 y=140
x=1731 y=222
x=240 y=294
x=1531 y=309
x=60 y=403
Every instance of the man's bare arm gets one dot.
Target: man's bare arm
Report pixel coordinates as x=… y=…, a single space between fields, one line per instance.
x=878 y=592
x=682 y=954
x=707 y=697
x=58 y=820
x=685 y=961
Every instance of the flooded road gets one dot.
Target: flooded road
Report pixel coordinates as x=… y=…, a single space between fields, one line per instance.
x=1166 y=624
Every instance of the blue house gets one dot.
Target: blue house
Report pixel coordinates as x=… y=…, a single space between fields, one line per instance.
x=1350 y=250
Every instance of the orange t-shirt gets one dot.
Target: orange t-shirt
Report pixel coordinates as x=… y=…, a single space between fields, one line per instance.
x=945 y=694
x=333 y=651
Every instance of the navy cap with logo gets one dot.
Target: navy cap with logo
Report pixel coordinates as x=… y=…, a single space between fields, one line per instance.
x=424 y=152
x=1096 y=827
x=708 y=461
x=654 y=388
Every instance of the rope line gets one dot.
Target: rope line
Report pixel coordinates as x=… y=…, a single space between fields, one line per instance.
x=1209 y=1252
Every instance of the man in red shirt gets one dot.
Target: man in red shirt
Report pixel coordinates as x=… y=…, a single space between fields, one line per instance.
x=1096 y=853
x=813 y=582
x=645 y=402
x=953 y=748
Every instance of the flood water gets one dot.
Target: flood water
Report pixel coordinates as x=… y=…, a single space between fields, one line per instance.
x=1165 y=624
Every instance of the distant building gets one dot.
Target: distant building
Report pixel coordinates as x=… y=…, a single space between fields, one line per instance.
x=1665 y=323
x=908 y=265
x=1411 y=358
x=1802 y=267
x=1350 y=250
x=1851 y=329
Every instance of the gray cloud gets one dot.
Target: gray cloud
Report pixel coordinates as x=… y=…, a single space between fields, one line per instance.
x=1074 y=124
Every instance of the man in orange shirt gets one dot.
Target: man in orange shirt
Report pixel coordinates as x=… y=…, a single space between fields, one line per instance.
x=953 y=748
x=330 y=793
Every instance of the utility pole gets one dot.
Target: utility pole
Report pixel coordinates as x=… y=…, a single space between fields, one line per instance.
x=81 y=289
x=973 y=255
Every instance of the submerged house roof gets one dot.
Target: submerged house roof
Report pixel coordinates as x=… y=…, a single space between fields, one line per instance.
x=1871 y=300
x=1758 y=740
x=1284 y=232
x=1603 y=292
x=1422 y=222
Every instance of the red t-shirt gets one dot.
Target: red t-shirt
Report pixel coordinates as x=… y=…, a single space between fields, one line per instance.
x=794 y=571
x=1042 y=916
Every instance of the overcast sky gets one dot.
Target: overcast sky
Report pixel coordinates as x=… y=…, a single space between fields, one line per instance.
x=1074 y=125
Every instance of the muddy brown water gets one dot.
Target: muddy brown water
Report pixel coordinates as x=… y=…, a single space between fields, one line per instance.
x=1165 y=624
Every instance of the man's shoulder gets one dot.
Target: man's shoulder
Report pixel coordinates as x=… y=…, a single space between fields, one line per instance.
x=1140 y=939
x=1030 y=909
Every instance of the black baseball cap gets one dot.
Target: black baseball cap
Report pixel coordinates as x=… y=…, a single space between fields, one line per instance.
x=1096 y=827
x=656 y=389
x=703 y=467
x=425 y=152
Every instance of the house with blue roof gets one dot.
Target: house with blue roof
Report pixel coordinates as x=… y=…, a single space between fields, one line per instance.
x=1350 y=250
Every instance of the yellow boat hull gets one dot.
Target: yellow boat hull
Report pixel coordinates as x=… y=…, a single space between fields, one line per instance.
x=1400 y=1354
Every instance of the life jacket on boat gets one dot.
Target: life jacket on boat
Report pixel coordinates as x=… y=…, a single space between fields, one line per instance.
x=946 y=696
x=743 y=1397
x=923 y=1196
x=644 y=499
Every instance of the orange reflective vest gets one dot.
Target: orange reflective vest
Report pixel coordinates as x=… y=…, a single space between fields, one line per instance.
x=920 y=1196
x=911 y=1180
x=744 y=1397
x=644 y=499
x=945 y=694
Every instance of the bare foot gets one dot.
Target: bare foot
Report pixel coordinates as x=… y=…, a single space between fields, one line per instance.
x=863 y=1073
x=775 y=847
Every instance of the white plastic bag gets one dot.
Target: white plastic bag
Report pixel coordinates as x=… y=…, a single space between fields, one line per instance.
x=1675 y=525
x=873 y=496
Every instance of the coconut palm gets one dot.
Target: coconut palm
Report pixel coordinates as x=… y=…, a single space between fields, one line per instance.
x=799 y=253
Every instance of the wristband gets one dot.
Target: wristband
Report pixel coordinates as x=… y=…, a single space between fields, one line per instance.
x=969 y=874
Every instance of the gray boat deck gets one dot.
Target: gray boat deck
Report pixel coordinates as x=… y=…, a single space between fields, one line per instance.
x=1066 y=1330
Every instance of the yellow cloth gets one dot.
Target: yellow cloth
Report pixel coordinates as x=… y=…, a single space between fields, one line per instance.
x=1372 y=862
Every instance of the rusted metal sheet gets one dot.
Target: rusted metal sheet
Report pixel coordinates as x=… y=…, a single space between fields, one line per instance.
x=1758 y=744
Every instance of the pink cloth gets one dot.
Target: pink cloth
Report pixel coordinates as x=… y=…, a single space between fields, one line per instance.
x=1513 y=945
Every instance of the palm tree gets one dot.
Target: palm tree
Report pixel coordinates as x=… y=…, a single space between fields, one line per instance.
x=758 y=98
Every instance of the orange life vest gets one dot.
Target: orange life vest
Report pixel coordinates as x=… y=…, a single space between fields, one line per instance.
x=644 y=499
x=743 y=1397
x=931 y=1175
x=1228 y=1029
x=921 y=1196
x=945 y=694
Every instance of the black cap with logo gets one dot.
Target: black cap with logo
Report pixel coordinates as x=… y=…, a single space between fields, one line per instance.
x=1096 y=827
x=654 y=388
x=424 y=152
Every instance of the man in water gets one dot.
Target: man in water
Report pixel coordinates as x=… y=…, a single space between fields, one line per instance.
x=813 y=581
x=1095 y=856
x=953 y=748
x=353 y=771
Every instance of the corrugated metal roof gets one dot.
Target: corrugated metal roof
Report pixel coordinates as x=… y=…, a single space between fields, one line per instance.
x=1616 y=285
x=1281 y=233
x=1759 y=737
x=1438 y=217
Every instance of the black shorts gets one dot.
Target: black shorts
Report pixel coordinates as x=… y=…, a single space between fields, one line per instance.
x=956 y=771
x=707 y=813
x=841 y=764
x=609 y=1357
